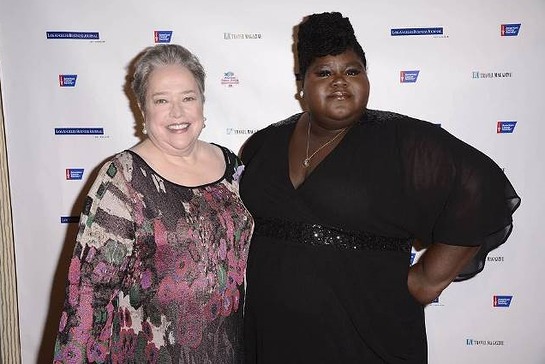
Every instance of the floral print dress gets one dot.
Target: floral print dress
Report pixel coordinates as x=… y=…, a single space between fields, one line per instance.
x=158 y=269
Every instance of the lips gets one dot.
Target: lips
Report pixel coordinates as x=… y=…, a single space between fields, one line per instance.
x=340 y=95
x=178 y=126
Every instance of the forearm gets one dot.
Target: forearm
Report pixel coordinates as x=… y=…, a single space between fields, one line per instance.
x=436 y=269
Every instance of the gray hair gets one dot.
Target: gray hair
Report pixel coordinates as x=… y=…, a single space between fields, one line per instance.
x=164 y=55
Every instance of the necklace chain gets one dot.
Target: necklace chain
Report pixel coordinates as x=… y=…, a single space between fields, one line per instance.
x=306 y=161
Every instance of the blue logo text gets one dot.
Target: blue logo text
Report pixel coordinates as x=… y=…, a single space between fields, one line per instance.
x=72 y=35
x=416 y=31
x=79 y=131
x=69 y=219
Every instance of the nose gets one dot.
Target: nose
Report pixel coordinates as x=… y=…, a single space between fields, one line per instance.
x=339 y=81
x=176 y=110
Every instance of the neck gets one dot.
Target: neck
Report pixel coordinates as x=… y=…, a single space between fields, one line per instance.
x=326 y=127
x=187 y=156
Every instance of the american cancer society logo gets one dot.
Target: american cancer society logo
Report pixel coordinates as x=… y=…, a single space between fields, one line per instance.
x=509 y=30
x=395 y=32
x=67 y=80
x=74 y=174
x=72 y=35
x=502 y=301
x=505 y=127
x=408 y=76
x=162 y=36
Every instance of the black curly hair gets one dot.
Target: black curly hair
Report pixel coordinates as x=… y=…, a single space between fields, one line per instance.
x=325 y=34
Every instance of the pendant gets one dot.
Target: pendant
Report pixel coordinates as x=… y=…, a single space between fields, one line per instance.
x=306 y=162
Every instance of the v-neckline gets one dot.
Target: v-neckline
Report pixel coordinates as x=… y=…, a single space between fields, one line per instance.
x=317 y=168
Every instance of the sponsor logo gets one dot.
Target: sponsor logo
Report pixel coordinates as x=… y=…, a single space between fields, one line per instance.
x=162 y=36
x=475 y=342
x=234 y=36
x=416 y=31
x=67 y=80
x=413 y=255
x=69 y=219
x=502 y=301
x=408 y=76
x=232 y=131
x=79 y=131
x=72 y=35
x=505 y=127
x=477 y=74
x=509 y=30
x=229 y=79
x=74 y=173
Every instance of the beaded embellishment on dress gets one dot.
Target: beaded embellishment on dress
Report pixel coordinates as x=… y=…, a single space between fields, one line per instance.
x=319 y=235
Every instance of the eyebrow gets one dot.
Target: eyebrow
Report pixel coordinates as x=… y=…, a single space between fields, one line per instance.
x=329 y=64
x=186 y=92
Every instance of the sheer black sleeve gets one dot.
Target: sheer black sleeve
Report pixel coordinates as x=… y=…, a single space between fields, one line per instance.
x=462 y=197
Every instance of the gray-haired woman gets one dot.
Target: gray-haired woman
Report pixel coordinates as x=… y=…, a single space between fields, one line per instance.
x=157 y=271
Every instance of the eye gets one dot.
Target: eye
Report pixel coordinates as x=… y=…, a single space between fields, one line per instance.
x=323 y=73
x=189 y=98
x=160 y=101
x=353 y=72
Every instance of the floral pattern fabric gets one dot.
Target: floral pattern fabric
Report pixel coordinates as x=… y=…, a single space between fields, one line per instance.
x=158 y=269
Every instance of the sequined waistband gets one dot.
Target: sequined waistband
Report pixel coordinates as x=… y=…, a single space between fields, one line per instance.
x=319 y=235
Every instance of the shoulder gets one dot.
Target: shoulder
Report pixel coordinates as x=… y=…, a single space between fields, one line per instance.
x=400 y=130
x=425 y=143
x=398 y=121
x=288 y=121
x=276 y=127
x=120 y=166
x=115 y=174
x=259 y=138
x=110 y=191
x=230 y=157
x=381 y=116
x=411 y=132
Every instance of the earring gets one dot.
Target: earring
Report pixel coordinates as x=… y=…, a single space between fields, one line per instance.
x=301 y=94
x=144 y=130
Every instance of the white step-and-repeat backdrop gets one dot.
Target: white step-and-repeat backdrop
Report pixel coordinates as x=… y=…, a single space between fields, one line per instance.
x=477 y=68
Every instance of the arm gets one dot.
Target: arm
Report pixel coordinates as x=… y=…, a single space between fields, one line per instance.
x=103 y=247
x=436 y=269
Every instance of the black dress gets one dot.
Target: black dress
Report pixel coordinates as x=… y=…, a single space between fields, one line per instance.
x=328 y=264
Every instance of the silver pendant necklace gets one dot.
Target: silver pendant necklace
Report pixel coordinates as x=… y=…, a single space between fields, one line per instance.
x=306 y=161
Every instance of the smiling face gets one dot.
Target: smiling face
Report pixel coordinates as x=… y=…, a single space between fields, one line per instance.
x=174 y=109
x=336 y=89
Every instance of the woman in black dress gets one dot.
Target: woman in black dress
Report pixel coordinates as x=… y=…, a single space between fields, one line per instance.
x=339 y=194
